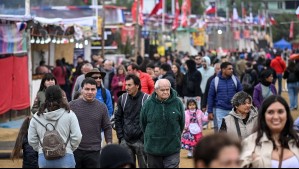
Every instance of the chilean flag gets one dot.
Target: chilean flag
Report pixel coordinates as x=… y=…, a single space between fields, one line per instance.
x=176 y=23
x=272 y=20
x=158 y=9
x=211 y=9
x=297 y=12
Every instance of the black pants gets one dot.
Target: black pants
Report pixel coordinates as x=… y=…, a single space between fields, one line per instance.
x=172 y=161
x=87 y=159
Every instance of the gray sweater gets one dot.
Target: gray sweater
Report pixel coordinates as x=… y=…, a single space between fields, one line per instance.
x=67 y=126
x=93 y=118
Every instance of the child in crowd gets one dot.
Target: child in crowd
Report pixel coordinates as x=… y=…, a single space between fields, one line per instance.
x=192 y=133
x=30 y=157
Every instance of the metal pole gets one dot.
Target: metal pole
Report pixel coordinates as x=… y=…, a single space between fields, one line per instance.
x=27 y=7
x=163 y=21
x=103 y=29
x=137 y=32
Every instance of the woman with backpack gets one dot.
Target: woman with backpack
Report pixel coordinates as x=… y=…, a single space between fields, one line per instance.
x=54 y=132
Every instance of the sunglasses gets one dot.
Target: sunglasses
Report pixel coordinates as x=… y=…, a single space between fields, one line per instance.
x=97 y=77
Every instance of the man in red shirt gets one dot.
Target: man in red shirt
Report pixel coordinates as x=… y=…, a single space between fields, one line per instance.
x=279 y=65
x=147 y=83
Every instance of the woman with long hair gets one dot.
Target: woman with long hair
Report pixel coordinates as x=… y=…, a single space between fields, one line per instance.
x=179 y=77
x=30 y=157
x=276 y=143
x=117 y=81
x=47 y=81
x=55 y=111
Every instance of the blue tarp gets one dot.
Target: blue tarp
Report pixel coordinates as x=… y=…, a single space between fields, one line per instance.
x=282 y=44
x=16 y=124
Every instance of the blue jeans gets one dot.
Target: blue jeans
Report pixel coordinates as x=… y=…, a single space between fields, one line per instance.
x=220 y=114
x=279 y=78
x=68 y=161
x=293 y=94
x=215 y=121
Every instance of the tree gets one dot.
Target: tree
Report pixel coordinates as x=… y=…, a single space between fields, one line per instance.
x=283 y=30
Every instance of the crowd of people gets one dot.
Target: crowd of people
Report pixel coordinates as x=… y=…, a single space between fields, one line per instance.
x=162 y=106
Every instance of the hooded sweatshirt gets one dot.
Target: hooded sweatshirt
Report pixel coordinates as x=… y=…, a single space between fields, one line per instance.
x=206 y=73
x=67 y=126
x=162 y=123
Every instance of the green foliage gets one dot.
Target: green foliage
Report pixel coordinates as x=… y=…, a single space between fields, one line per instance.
x=283 y=30
x=126 y=48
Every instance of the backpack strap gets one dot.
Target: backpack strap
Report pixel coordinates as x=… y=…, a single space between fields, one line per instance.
x=144 y=98
x=216 y=83
x=238 y=127
x=124 y=100
x=104 y=94
x=43 y=126
x=235 y=81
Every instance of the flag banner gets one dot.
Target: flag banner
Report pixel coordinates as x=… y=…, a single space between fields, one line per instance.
x=134 y=11
x=176 y=23
x=292 y=30
x=127 y=32
x=158 y=9
x=186 y=10
x=211 y=10
x=12 y=40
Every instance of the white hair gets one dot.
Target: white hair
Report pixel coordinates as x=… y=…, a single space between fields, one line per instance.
x=157 y=85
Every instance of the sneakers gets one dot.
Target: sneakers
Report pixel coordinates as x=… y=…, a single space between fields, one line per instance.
x=190 y=154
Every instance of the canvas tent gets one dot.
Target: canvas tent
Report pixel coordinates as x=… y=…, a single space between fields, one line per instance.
x=282 y=44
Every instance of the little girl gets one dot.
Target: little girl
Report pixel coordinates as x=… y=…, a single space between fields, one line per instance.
x=193 y=126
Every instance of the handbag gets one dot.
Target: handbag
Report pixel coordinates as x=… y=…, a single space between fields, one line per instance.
x=194 y=128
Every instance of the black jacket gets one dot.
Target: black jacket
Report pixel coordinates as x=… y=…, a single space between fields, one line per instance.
x=191 y=84
x=171 y=77
x=127 y=119
x=30 y=157
x=204 y=100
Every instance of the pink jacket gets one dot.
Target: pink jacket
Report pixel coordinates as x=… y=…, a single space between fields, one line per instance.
x=200 y=118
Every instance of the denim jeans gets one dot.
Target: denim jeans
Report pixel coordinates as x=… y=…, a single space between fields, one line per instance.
x=293 y=94
x=220 y=114
x=215 y=121
x=279 y=78
x=68 y=161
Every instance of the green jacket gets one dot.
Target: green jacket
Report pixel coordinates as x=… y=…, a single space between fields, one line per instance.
x=162 y=124
x=39 y=101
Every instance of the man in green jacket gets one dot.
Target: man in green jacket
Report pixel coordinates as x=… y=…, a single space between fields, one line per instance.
x=163 y=121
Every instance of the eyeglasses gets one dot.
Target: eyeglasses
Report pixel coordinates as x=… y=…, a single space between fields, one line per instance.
x=97 y=77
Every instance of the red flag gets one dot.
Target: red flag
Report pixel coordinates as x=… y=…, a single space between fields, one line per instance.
x=292 y=30
x=186 y=10
x=134 y=11
x=176 y=16
x=157 y=9
x=273 y=21
x=211 y=9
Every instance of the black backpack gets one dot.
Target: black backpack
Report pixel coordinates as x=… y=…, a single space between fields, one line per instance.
x=53 y=145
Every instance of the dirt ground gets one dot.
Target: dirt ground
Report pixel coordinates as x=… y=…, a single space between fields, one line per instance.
x=11 y=134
